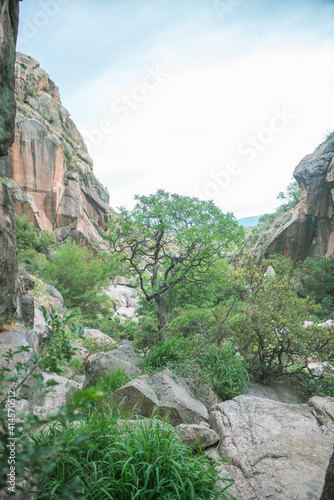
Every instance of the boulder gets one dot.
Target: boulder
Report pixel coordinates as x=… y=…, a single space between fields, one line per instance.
x=275 y=450
x=159 y=394
x=102 y=363
x=99 y=337
x=56 y=298
x=54 y=399
x=14 y=338
x=197 y=435
x=277 y=391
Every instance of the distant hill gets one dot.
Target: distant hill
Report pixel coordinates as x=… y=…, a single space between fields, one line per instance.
x=249 y=221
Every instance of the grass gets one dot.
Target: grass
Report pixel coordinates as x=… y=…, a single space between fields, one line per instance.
x=145 y=461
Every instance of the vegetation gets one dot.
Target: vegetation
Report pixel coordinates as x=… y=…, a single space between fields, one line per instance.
x=123 y=461
x=169 y=239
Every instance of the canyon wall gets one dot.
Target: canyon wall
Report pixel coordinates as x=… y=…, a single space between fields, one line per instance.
x=48 y=167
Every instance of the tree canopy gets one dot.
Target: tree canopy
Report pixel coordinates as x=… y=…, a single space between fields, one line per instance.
x=169 y=239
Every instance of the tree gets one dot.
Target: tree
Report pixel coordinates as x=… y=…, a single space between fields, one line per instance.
x=270 y=332
x=80 y=278
x=169 y=239
x=292 y=196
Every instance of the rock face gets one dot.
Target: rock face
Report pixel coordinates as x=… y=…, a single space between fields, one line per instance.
x=9 y=12
x=328 y=491
x=309 y=228
x=161 y=395
x=8 y=248
x=276 y=450
x=48 y=165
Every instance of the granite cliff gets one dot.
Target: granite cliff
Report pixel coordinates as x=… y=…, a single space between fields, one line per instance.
x=308 y=229
x=9 y=285
x=48 y=167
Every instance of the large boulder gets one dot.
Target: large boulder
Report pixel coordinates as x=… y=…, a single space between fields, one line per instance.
x=276 y=450
x=15 y=338
x=103 y=363
x=197 y=435
x=160 y=394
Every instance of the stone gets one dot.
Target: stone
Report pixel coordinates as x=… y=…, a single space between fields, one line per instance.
x=40 y=326
x=277 y=392
x=54 y=399
x=9 y=286
x=9 y=14
x=99 y=337
x=103 y=363
x=48 y=167
x=275 y=450
x=14 y=338
x=159 y=394
x=28 y=310
x=56 y=298
x=308 y=229
x=197 y=435
x=27 y=282
x=328 y=491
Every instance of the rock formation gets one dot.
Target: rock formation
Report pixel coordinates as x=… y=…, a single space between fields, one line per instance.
x=308 y=229
x=275 y=450
x=8 y=249
x=48 y=167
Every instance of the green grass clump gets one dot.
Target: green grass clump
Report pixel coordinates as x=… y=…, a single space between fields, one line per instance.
x=144 y=460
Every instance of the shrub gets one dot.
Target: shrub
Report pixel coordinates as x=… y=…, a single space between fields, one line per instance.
x=205 y=365
x=121 y=461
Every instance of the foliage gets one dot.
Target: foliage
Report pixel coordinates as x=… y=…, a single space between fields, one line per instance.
x=122 y=461
x=80 y=278
x=169 y=239
x=108 y=384
x=94 y=345
x=218 y=368
x=28 y=238
x=57 y=346
x=315 y=279
x=269 y=330
x=13 y=382
x=291 y=196
x=312 y=385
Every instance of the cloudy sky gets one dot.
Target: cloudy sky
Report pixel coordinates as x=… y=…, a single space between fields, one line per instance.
x=218 y=99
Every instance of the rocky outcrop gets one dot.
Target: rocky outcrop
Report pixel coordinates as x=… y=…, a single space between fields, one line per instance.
x=308 y=229
x=9 y=12
x=275 y=450
x=328 y=491
x=160 y=394
x=9 y=285
x=48 y=167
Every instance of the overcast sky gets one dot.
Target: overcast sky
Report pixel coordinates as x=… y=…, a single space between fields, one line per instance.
x=218 y=99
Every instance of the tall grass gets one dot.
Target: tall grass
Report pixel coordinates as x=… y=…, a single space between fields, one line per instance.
x=144 y=460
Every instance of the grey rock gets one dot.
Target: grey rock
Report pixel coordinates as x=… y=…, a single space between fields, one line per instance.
x=27 y=282
x=159 y=394
x=12 y=339
x=276 y=450
x=102 y=363
x=328 y=491
x=197 y=435
x=28 y=310
x=277 y=392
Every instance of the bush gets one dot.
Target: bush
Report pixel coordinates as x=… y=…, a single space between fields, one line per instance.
x=121 y=461
x=315 y=278
x=205 y=365
x=80 y=278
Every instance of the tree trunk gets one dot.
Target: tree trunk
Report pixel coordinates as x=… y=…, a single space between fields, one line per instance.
x=161 y=301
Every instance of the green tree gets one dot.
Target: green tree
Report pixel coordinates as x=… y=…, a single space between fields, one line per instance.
x=269 y=329
x=169 y=239
x=80 y=277
x=27 y=236
x=315 y=279
x=291 y=196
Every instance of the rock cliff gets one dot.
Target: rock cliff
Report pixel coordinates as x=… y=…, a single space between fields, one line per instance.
x=8 y=263
x=48 y=166
x=308 y=229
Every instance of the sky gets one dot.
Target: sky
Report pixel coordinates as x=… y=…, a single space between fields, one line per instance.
x=217 y=99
